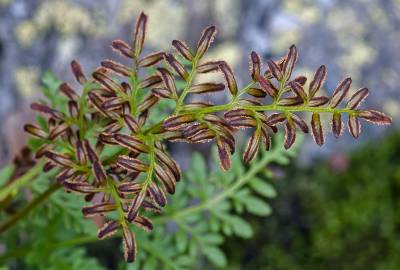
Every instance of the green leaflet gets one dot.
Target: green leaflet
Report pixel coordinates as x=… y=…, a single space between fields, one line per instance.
x=215 y=255
x=257 y=207
x=263 y=188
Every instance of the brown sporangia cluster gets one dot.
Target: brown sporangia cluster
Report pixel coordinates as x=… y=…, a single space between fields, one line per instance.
x=114 y=107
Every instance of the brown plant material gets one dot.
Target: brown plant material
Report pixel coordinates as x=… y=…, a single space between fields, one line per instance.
x=290 y=134
x=316 y=127
x=357 y=98
x=354 y=126
x=129 y=241
x=207 y=88
x=177 y=66
x=337 y=125
x=78 y=72
x=318 y=81
x=229 y=78
x=151 y=59
x=255 y=65
x=340 y=92
x=139 y=34
x=108 y=229
x=252 y=146
x=137 y=178
x=123 y=48
x=206 y=38
x=207 y=67
x=183 y=49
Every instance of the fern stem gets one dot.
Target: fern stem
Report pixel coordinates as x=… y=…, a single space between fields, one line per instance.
x=234 y=104
x=21 y=181
x=133 y=95
x=82 y=106
x=114 y=193
x=303 y=108
x=280 y=92
x=185 y=91
x=21 y=214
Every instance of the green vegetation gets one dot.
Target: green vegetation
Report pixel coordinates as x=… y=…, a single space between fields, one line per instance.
x=325 y=219
x=110 y=143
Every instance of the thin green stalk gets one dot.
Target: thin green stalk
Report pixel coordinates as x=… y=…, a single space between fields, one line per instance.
x=271 y=107
x=212 y=109
x=281 y=91
x=82 y=110
x=152 y=159
x=16 y=184
x=244 y=89
x=21 y=214
x=134 y=83
x=114 y=193
x=132 y=100
x=180 y=101
x=152 y=162
x=302 y=108
x=185 y=91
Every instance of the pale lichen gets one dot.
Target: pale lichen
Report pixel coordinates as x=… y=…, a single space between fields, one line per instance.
x=75 y=19
x=4 y=3
x=226 y=13
x=27 y=80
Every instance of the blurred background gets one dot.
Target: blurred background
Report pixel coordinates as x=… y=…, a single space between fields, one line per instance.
x=337 y=205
